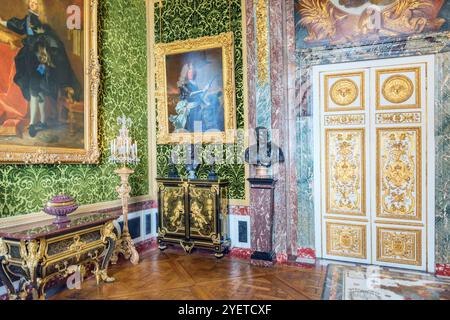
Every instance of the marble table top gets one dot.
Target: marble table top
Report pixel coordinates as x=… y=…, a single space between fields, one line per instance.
x=47 y=228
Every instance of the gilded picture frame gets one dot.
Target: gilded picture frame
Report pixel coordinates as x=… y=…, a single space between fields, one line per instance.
x=202 y=57
x=86 y=70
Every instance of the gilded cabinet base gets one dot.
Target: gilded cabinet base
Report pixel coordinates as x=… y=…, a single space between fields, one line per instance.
x=39 y=262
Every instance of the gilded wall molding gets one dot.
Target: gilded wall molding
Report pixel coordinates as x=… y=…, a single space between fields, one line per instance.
x=262 y=41
x=151 y=108
x=225 y=41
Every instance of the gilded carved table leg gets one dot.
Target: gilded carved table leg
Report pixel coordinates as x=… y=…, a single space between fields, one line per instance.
x=31 y=253
x=4 y=277
x=101 y=271
x=6 y=280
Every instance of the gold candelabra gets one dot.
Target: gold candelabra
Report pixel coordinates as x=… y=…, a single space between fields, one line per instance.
x=124 y=151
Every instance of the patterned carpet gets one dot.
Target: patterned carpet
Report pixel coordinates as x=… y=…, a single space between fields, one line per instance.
x=377 y=283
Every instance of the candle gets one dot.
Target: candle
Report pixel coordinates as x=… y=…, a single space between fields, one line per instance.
x=123 y=149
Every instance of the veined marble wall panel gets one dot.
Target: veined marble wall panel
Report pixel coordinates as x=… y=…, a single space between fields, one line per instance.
x=263 y=104
x=442 y=138
x=305 y=180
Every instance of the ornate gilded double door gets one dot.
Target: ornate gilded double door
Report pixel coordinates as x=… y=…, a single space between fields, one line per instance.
x=375 y=146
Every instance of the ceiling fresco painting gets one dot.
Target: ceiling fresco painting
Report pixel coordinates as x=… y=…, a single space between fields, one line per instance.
x=337 y=22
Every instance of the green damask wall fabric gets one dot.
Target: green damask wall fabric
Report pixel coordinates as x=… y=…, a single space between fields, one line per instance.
x=188 y=19
x=123 y=55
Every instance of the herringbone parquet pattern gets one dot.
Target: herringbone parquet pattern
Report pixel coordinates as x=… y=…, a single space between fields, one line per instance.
x=172 y=275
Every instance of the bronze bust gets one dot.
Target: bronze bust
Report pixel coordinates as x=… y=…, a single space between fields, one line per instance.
x=264 y=153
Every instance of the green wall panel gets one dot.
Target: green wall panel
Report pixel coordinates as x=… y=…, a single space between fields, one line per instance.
x=188 y=19
x=123 y=56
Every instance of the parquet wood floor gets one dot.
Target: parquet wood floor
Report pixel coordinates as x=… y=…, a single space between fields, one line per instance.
x=172 y=275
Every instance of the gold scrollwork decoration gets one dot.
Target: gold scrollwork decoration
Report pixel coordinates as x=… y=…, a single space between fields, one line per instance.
x=262 y=41
x=402 y=246
x=215 y=189
x=216 y=238
x=187 y=246
x=202 y=209
x=3 y=248
x=345 y=171
x=345 y=119
x=177 y=214
x=108 y=232
x=197 y=216
x=173 y=206
x=77 y=246
x=31 y=253
x=399 y=118
x=162 y=232
x=347 y=240
x=102 y=275
x=399 y=186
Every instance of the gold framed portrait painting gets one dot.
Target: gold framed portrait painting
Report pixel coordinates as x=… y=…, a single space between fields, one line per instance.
x=195 y=90
x=49 y=78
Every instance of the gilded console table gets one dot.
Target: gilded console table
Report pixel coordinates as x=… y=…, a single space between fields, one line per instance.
x=193 y=213
x=39 y=253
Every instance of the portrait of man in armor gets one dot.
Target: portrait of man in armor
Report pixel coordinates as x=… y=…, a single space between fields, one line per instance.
x=195 y=88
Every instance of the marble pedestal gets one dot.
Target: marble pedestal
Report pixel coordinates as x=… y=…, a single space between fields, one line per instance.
x=261 y=213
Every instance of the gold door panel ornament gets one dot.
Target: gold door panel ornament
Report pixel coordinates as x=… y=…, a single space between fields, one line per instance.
x=344 y=92
x=399 y=173
x=400 y=246
x=398 y=88
x=345 y=119
x=346 y=240
x=345 y=171
x=399 y=118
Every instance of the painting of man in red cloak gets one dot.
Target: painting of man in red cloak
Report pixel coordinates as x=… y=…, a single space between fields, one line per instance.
x=42 y=65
